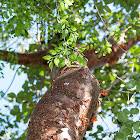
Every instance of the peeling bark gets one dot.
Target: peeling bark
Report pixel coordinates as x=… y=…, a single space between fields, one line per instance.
x=67 y=108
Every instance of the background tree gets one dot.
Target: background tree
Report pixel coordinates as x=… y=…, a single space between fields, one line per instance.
x=36 y=34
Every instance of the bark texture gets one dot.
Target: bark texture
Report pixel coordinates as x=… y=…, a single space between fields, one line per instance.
x=67 y=108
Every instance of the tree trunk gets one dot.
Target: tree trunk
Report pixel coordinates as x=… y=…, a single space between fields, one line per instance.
x=67 y=108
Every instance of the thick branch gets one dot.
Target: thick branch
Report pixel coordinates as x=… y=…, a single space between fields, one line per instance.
x=117 y=50
x=35 y=58
x=29 y=58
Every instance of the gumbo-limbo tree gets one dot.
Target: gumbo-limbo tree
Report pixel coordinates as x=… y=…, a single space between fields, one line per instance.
x=82 y=62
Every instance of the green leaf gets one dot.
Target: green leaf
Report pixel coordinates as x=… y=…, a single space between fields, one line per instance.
x=81 y=49
x=107 y=8
x=65 y=17
x=136 y=126
x=126 y=111
x=73 y=28
x=65 y=33
x=122 y=117
x=54 y=45
x=115 y=109
x=58 y=28
x=134 y=111
x=83 y=34
x=15 y=110
x=81 y=60
x=91 y=46
x=108 y=44
x=131 y=84
x=62 y=6
x=63 y=26
x=12 y=95
x=126 y=130
x=138 y=87
x=109 y=104
x=56 y=61
x=100 y=128
x=57 y=49
x=41 y=73
x=51 y=66
x=61 y=62
x=134 y=14
x=109 y=50
x=70 y=39
x=119 y=136
x=10 y=12
x=47 y=57
x=100 y=55
x=73 y=56
x=52 y=52
x=114 y=17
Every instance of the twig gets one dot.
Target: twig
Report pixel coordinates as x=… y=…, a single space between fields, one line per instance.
x=10 y=83
x=100 y=16
x=123 y=49
x=123 y=91
x=58 y=20
x=116 y=81
x=119 y=78
x=48 y=6
x=104 y=122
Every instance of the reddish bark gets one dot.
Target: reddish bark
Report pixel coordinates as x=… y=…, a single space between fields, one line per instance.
x=67 y=108
x=117 y=50
x=35 y=58
x=27 y=58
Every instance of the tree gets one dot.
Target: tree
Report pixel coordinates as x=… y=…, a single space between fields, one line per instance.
x=55 y=41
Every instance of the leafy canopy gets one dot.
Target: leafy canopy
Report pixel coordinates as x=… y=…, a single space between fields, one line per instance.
x=31 y=25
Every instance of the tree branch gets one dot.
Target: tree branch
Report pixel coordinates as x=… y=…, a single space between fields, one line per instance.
x=29 y=58
x=117 y=50
x=116 y=81
x=35 y=58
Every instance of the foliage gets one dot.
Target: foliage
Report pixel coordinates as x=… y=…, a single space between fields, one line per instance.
x=120 y=104
x=84 y=22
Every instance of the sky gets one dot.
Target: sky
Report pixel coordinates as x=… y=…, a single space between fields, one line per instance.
x=8 y=76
